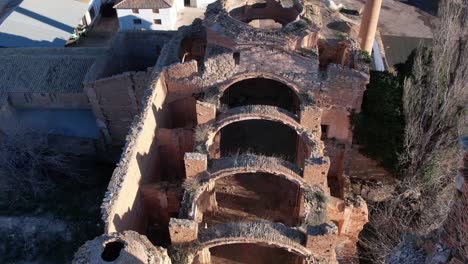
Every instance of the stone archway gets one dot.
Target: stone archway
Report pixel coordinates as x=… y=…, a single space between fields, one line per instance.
x=251 y=129
x=249 y=253
x=256 y=195
x=261 y=91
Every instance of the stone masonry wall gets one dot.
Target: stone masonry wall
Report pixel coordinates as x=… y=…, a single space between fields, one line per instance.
x=123 y=207
x=116 y=100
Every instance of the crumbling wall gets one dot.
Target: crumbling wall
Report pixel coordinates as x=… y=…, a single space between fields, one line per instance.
x=338 y=124
x=222 y=70
x=343 y=87
x=172 y=146
x=123 y=207
x=116 y=100
x=130 y=51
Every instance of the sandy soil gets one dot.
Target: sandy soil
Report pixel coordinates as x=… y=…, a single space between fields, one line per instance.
x=397 y=18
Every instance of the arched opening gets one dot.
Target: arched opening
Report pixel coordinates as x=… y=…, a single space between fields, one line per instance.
x=264 y=14
x=260 y=137
x=112 y=251
x=193 y=48
x=261 y=91
x=253 y=196
x=250 y=253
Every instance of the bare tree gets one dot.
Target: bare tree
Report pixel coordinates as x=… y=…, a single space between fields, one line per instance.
x=435 y=96
x=434 y=103
x=29 y=164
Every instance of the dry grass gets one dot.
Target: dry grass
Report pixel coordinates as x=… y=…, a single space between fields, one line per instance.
x=212 y=96
x=191 y=184
x=202 y=132
x=29 y=165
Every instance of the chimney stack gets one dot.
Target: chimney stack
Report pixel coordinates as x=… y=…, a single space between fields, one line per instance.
x=370 y=19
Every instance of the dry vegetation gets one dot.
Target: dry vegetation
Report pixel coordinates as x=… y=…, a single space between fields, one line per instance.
x=29 y=165
x=49 y=198
x=434 y=106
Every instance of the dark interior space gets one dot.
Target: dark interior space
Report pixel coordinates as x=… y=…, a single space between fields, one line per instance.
x=192 y=48
x=261 y=137
x=112 y=251
x=253 y=196
x=261 y=91
x=336 y=54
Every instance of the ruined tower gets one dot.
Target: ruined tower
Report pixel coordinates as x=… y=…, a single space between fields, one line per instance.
x=241 y=147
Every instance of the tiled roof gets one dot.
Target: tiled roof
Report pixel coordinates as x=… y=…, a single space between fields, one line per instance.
x=144 y=4
x=45 y=70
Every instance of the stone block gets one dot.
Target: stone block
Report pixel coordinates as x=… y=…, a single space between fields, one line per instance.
x=183 y=231
x=195 y=164
x=311 y=118
x=206 y=112
x=183 y=70
x=321 y=240
x=316 y=171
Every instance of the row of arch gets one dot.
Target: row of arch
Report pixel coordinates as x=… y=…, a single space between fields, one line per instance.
x=263 y=148
x=276 y=187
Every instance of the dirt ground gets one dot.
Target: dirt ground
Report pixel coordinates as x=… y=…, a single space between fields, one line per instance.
x=401 y=18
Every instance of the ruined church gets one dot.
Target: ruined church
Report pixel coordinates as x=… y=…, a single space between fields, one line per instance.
x=240 y=144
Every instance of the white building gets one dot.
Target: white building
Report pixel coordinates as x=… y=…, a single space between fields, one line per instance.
x=45 y=23
x=93 y=12
x=148 y=14
x=154 y=14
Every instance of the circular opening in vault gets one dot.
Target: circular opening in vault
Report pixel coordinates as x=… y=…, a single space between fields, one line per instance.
x=112 y=251
x=264 y=14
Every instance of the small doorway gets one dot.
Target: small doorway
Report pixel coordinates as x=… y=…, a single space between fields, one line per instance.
x=186 y=2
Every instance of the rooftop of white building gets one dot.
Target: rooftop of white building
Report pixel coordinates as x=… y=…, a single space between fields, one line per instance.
x=44 y=23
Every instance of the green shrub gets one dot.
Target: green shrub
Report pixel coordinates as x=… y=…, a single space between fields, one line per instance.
x=380 y=126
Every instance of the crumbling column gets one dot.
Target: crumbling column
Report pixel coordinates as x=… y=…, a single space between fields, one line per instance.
x=206 y=112
x=370 y=19
x=322 y=241
x=311 y=118
x=195 y=164
x=183 y=231
x=316 y=172
x=339 y=213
